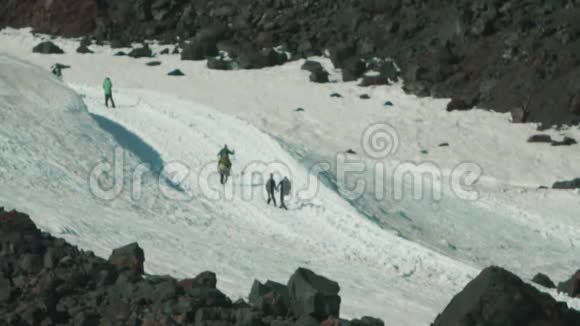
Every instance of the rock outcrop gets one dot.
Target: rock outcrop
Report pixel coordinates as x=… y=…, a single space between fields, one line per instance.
x=497 y=298
x=494 y=54
x=45 y=281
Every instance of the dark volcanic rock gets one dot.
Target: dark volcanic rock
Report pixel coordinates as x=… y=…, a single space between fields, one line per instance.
x=142 y=52
x=373 y=80
x=83 y=49
x=353 y=69
x=175 y=72
x=5 y=289
x=260 y=59
x=367 y=321
x=47 y=47
x=572 y=286
x=575 y=105
x=340 y=54
x=382 y=73
x=567 y=141
x=206 y=279
x=197 y=50
x=458 y=104
x=519 y=115
x=540 y=139
x=498 y=52
x=319 y=76
x=271 y=298
x=204 y=44
x=314 y=295
x=317 y=73
x=572 y=184
x=312 y=66
x=306 y=320
x=45 y=281
x=498 y=298
x=117 y=44
x=220 y=64
x=544 y=281
x=129 y=258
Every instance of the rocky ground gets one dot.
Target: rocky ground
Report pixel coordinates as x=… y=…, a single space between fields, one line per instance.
x=46 y=281
x=496 y=54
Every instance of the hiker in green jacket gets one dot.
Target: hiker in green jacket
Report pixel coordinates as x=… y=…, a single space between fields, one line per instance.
x=108 y=88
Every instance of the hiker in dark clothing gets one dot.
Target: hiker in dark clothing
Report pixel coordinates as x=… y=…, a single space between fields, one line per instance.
x=224 y=164
x=284 y=187
x=108 y=88
x=56 y=70
x=271 y=188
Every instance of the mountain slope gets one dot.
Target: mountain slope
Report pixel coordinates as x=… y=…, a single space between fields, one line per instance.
x=238 y=238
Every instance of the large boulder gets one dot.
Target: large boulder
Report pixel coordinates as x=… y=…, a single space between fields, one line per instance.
x=271 y=298
x=373 y=79
x=569 y=184
x=204 y=44
x=575 y=105
x=381 y=72
x=367 y=321
x=175 y=73
x=458 y=104
x=314 y=295
x=312 y=66
x=142 y=52
x=317 y=73
x=341 y=53
x=540 y=138
x=83 y=49
x=45 y=281
x=543 y=280
x=353 y=69
x=208 y=297
x=519 y=114
x=129 y=258
x=47 y=47
x=498 y=298
x=220 y=64
x=18 y=234
x=198 y=50
x=14 y=222
x=5 y=289
x=260 y=59
x=389 y=70
x=205 y=279
x=572 y=286
x=319 y=76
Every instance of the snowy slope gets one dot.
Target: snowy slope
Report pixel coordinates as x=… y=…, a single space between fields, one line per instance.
x=512 y=224
x=238 y=238
x=546 y=221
